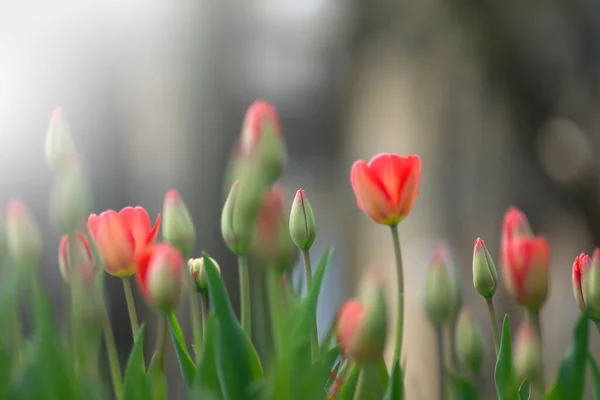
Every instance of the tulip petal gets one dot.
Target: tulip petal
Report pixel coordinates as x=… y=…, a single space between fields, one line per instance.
x=142 y=265
x=93 y=224
x=154 y=232
x=116 y=244
x=371 y=195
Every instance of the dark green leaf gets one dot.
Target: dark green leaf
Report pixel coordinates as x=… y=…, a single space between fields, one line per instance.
x=462 y=388
x=188 y=369
x=384 y=375
x=505 y=374
x=395 y=390
x=238 y=366
x=595 y=376
x=349 y=384
x=136 y=384
x=571 y=375
x=206 y=373
x=525 y=390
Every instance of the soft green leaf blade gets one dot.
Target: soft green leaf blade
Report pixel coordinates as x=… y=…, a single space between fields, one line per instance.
x=349 y=384
x=136 y=385
x=207 y=379
x=307 y=312
x=384 y=375
x=462 y=387
x=188 y=369
x=570 y=382
x=395 y=389
x=595 y=376
x=525 y=390
x=238 y=365
x=369 y=384
x=158 y=381
x=505 y=374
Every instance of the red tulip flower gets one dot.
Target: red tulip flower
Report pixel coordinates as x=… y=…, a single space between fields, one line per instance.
x=526 y=259
x=580 y=267
x=386 y=187
x=159 y=275
x=122 y=237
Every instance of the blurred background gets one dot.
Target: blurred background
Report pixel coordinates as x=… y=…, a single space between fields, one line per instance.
x=500 y=100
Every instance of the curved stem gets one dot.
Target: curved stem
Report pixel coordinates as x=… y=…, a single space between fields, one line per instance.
x=161 y=343
x=314 y=334
x=494 y=322
x=196 y=324
x=113 y=358
x=133 y=319
x=400 y=277
x=439 y=334
x=245 y=293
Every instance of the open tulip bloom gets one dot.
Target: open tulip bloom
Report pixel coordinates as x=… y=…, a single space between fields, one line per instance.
x=276 y=353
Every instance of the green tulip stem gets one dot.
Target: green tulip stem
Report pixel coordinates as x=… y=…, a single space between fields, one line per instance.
x=597 y=323
x=205 y=307
x=314 y=335
x=133 y=319
x=494 y=322
x=276 y=302
x=439 y=335
x=534 y=318
x=400 y=277
x=161 y=341
x=113 y=358
x=245 y=293
x=197 y=322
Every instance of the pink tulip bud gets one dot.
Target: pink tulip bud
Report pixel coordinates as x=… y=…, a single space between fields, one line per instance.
x=177 y=228
x=160 y=276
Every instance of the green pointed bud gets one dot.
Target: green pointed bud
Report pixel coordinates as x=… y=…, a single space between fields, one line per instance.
x=177 y=225
x=24 y=238
x=237 y=243
x=361 y=328
x=70 y=202
x=303 y=228
x=590 y=285
x=441 y=290
x=485 y=276
x=469 y=343
x=198 y=273
x=59 y=148
x=527 y=353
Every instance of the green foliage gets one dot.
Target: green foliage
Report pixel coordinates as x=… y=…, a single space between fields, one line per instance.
x=595 y=376
x=505 y=373
x=395 y=389
x=462 y=387
x=570 y=382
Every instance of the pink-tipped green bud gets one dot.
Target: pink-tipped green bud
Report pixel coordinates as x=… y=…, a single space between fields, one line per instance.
x=303 y=228
x=485 y=276
x=442 y=294
x=527 y=353
x=60 y=148
x=262 y=140
x=83 y=264
x=590 y=285
x=70 y=202
x=238 y=242
x=581 y=266
x=177 y=225
x=160 y=276
x=361 y=328
x=24 y=238
x=198 y=273
x=469 y=343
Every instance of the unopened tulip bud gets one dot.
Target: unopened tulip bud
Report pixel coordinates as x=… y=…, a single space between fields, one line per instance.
x=159 y=276
x=178 y=228
x=441 y=290
x=71 y=200
x=485 y=276
x=303 y=228
x=198 y=273
x=469 y=344
x=238 y=243
x=361 y=328
x=262 y=140
x=526 y=260
x=59 y=148
x=590 y=285
x=24 y=238
x=581 y=267
x=527 y=353
x=83 y=263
